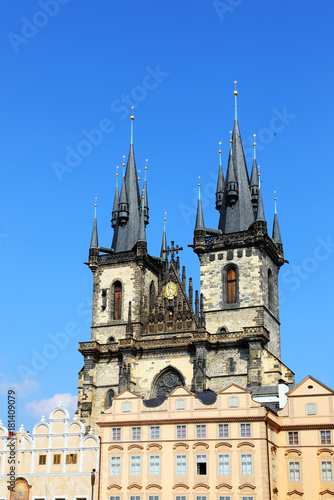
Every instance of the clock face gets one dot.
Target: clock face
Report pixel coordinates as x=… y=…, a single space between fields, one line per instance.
x=170 y=290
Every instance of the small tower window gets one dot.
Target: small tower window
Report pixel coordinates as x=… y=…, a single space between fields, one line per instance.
x=230 y=365
x=117 y=300
x=152 y=295
x=231 y=286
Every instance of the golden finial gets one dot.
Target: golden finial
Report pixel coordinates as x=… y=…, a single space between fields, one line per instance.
x=117 y=170
x=138 y=175
x=230 y=135
x=132 y=117
x=165 y=216
x=95 y=202
x=235 y=88
x=259 y=176
x=275 y=202
x=199 y=180
x=220 y=147
x=254 y=143
x=146 y=164
x=123 y=160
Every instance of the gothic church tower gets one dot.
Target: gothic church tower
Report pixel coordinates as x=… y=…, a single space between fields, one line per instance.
x=150 y=332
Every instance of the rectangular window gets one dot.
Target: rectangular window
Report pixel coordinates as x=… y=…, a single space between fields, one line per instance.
x=126 y=407
x=180 y=497
x=200 y=431
x=154 y=465
x=181 y=465
x=135 y=465
x=247 y=498
x=181 y=432
x=134 y=497
x=115 y=466
x=201 y=465
x=224 y=465
x=326 y=471
x=325 y=437
x=153 y=497
x=201 y=498
x=311 y=409
x=180 y=404
x=293 y=438
x=56 y=459
x=273 y=465
x=71 y=458
x=294 y=472
x=233 y=402
x=114 y=498
x=42 y=460
x=136 y=433
x=225 y=498
x=272 y=435
x=245 y=430
x=246 y=465
x=115 y=434
x=155 y=432
x=223 y=430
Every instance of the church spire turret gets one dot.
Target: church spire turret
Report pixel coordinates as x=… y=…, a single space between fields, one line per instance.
x=116 y=204
x=144 y=195
x=163 y=252
x=236 y=213
x=254 y=179
x=220 y=182
x=276 y=231
x=141 y=232
x=123 y=208
x=199 y=216
x=94 y=243
x=260 y=210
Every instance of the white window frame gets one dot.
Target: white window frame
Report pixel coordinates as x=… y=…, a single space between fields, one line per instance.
x=180 y=404
x=178 y=497
x=202 y=459
x=126 y=407
x=327 y=471
x=114 y=497
x=294 y=471
x=247 y=498
x=154 y=497
x=224 y=427
x=181 y=428
x=120 y=433
x=135 y=497
x=200 y=431
x=245 y=463
x=222 y=462
x=311 y=409
x=244 y=428
x=225 y=497
x=134 y=471
x=292 y=434
x=329 y=432
x=152 y=430
x=182 y=464
x=201 y=497
x=155 y=464
x=115 y=465
x=134 y=431
x=233 y=402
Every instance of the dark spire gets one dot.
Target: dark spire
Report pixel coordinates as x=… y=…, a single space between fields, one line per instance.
x=116 y=204
x=260 y=211
x=144 y=195
x=163 y=252
x=141 y=232
x=276 y=231
x=127 y=227
x=94 y=242
x=199 y=216
x=236 y=213
x=254 y=179
x=220 y=182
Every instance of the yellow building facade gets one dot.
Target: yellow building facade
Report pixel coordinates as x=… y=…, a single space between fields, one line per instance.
x=55 y=462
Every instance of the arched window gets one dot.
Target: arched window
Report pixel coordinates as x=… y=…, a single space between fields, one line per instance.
x=223 y=329
x=152 y=295
x=270 y=291
x=230 y=365
x=111 y=340
x=231 y=286
x=111 y=394
x=117 y=300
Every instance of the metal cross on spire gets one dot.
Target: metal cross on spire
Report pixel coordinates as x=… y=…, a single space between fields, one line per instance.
x=172 y=250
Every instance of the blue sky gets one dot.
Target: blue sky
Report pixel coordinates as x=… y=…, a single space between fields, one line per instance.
x=70 y=68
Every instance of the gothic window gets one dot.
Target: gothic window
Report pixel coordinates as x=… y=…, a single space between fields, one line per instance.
x=231 y=286
x=117 y=300
x=230 y=366
x=270 y=291
x=111 y=340
x=111 y=394
x=167 y=381
x=223 y=329
x=152 y=295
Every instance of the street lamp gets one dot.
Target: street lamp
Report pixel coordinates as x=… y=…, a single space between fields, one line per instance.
x=92 y=481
